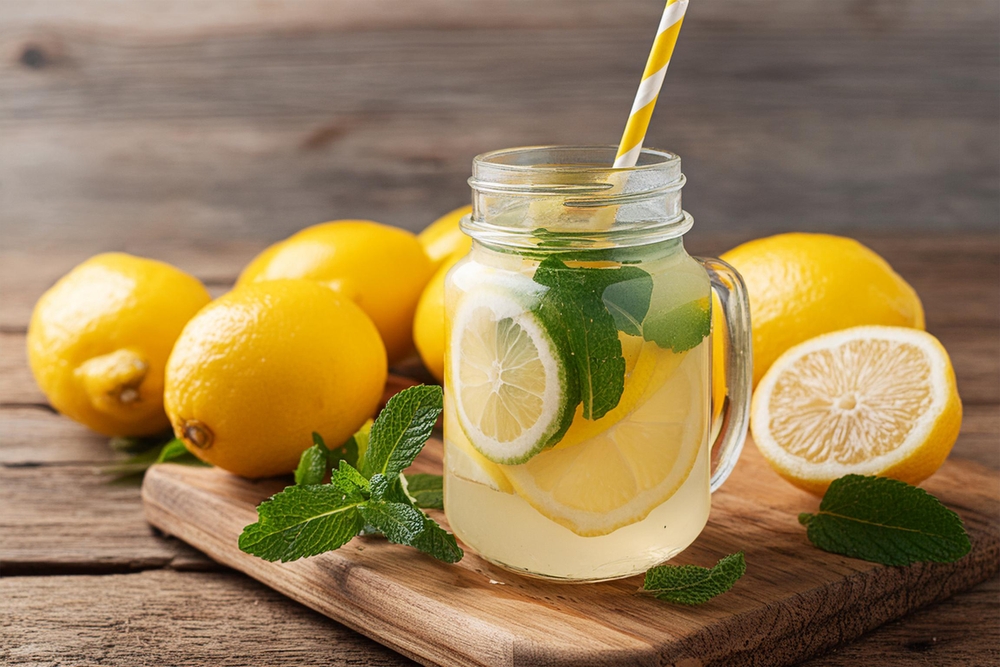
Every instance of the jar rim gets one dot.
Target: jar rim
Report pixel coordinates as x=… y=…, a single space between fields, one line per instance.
x=650 y=159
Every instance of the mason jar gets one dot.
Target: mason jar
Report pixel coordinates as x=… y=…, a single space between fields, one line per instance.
x=580 y=438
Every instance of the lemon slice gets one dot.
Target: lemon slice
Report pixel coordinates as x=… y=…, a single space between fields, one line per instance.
x=647 y=367
x=461 y=458
x=622 y=474
x=509 y=378
x=869 y=400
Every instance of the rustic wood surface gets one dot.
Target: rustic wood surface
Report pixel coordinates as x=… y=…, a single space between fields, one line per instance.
x=197 y=135
x=794 y=601
x=156 y=121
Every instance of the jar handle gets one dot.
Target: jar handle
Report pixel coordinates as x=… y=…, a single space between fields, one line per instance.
x=729 y=426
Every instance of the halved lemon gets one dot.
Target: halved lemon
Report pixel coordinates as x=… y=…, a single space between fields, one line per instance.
x=512 y=391
x=618 y=477
x=869 y=400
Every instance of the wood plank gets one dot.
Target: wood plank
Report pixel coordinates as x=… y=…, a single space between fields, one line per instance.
x=794 y=602
x=73 y=519
x=159 y=18
x=938 y=636
x=170 y=618
x=827 y=116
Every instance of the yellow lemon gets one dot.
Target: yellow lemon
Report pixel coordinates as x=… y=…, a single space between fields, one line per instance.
x=619 y=476
x=382 y=269
x=428 y=323
x=256 y=372
x=804 y=285
x=443 y=239
x=867 y=400
x=99 y=340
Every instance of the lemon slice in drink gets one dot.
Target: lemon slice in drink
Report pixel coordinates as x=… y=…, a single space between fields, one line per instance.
x=509 y=379
x=619 y=476
x=868 y=400
x=647 y=367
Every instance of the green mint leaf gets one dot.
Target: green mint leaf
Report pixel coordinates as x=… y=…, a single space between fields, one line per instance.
x=885 y=521
x=139 y=444
x=303 y=521
x=175 y=452
x=573 y=311
x=350 y=481
x=437 y=542
x=427 y=491
x=401 y=523
x=625 y=292
x=682 y=328
x=313 y=463
x=691 y=584
x=401 y=429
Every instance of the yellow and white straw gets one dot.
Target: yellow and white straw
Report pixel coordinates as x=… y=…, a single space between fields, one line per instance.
x=652 y=79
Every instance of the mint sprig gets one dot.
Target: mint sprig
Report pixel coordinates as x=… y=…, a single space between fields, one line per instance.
x=312 y=518
x=692 y=584
x=885 y=521
x=427 y=491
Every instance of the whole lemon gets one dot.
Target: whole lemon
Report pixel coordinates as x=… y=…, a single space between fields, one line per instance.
x=99 y=339
x=428 y=324
x=382 y=269
x=442 y=238
x=260 y=369
x=804 y=285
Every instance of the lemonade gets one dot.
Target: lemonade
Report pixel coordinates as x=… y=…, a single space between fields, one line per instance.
x=578 y=372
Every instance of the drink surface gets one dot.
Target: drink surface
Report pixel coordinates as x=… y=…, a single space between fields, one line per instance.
x=577 y=408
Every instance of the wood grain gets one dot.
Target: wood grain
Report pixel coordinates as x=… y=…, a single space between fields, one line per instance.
x=794 y=602
x=170 y=618
x=155 y=123
x=73 y=519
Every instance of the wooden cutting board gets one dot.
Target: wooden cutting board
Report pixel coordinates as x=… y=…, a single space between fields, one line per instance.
x=794 y=601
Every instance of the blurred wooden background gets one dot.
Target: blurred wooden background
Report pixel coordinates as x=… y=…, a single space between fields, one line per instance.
x=136 y=124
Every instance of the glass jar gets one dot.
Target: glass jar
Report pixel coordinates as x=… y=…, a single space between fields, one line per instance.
x=580 y=443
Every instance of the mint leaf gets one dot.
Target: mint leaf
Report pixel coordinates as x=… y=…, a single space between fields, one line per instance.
x=401 y=523
x=303 y=521
x=401 y=429
x=625 y=292
x=885 y=521
x=427 y=491
x=573 y=310
x=313 y=463
x=692 y=584
x=681 y=328
x=437 y=542
x=349 y=480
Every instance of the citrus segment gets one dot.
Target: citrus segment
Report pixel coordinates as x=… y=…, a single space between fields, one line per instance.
x=511 y=389
x=866 y=400
x=619 y=476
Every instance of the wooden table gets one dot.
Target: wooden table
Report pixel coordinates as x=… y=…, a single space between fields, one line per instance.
x=197 y=132
x=86 y=580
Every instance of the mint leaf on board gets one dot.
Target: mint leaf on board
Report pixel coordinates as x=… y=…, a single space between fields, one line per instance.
x=401 y=429
x=427 y=491
x=681 y=328
x=401 y=523
x=692 y=584
x=313 y=463
x=885 y=521
x=303 y=521
x=437 y=542
x=309 y=519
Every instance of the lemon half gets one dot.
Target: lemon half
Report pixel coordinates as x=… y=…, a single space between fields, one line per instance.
x=868 y=400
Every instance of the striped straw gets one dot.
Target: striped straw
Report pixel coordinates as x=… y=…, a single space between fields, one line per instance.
x=652 y=79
